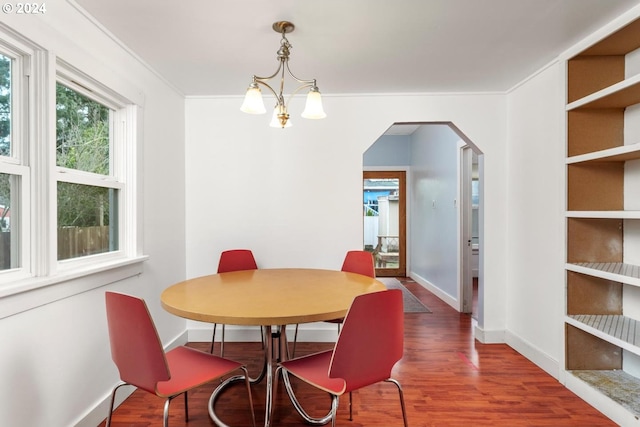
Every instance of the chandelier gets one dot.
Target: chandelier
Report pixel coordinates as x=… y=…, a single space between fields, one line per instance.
x=253 y=103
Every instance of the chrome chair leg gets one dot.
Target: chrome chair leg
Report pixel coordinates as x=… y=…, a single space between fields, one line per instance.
x=247 y=382
x=401 y=393
x=213 y=338
x=165 y=418
x=334 y=409
x=284 y=343
x=222 y=343
x=296 y=404
x=214 y=397
x=295 y=341
x=263 y=371
x=276 y=374
x=167 y=403
x=186 y=407
x=113 y=400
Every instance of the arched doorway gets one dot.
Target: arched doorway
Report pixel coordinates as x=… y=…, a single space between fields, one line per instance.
x=443 y=183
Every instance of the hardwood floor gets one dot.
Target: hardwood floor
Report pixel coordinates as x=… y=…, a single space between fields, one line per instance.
x=449 y=379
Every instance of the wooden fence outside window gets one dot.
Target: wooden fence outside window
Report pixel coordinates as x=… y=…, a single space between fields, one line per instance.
x=73 y=242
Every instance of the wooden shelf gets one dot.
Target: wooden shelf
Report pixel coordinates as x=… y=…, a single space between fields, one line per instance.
x=621 y=42
x=604 y=214
x=602 y=64
x=616 y=271
x=617 y=385
x=618 y=330
x=617 y=154
x=619 y=95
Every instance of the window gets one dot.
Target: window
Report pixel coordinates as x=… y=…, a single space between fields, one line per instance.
x=14 y=169
x=94 y=156
x=6 y=180
x=7 y=188
x=87 y=189
x=68 y=178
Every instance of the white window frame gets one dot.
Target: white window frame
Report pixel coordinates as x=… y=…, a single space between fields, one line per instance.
x=17 y=164
x=75 y=81
x=41 y=278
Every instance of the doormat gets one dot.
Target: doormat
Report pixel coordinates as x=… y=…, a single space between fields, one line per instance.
x=411 y=303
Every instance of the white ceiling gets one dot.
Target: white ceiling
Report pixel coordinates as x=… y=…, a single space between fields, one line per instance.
x=213 y=47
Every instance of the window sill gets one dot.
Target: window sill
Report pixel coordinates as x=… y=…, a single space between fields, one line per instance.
x=34 y=292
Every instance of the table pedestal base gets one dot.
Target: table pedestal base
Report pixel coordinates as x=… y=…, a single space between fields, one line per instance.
x=267 y=371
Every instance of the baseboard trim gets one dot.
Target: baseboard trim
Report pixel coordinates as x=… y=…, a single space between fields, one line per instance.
x=449 y=299
x=488 y=337
x=534 y=354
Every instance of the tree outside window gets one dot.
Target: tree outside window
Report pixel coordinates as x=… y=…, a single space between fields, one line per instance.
x=86 y=213
x=5 y=139
x=7 y=181
x=5 y=106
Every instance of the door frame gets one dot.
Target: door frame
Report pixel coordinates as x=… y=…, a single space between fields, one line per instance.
x=465 y=215
x=401 y=176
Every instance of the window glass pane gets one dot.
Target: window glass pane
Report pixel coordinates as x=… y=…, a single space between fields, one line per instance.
x=5 y=106
x=382 y=220
x=87 y=220
x=82 y=132
x=9 y=251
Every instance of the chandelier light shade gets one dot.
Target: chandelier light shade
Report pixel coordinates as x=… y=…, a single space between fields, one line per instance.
x=253 y=102
x=313 y=108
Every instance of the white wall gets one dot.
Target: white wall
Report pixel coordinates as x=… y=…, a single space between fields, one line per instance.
x=434 y=209
x=535 y=226
x=249 y=185
x=55 y=361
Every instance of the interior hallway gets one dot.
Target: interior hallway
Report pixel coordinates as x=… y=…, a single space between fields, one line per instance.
x=449 y=379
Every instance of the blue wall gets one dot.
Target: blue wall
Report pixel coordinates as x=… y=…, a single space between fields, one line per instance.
x=392 y=150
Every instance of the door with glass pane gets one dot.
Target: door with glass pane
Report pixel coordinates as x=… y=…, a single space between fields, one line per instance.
x=384 y=220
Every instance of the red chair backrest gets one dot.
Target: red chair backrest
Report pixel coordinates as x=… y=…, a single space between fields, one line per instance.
x=371 y=340
x=236 y=260
x=360 y=262
x=135 y=346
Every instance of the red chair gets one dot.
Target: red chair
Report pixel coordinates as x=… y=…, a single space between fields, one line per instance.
x=236 y=260
x=232 y=260
x=359 y=262
x=142 y=362
x=369 y=345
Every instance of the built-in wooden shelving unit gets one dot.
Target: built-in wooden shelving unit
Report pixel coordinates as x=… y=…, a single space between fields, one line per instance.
x=602 y=321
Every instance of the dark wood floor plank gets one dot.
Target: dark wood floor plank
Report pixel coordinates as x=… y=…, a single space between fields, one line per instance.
x=449 y=379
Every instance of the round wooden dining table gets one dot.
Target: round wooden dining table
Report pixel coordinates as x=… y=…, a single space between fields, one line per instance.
x=266 y=297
